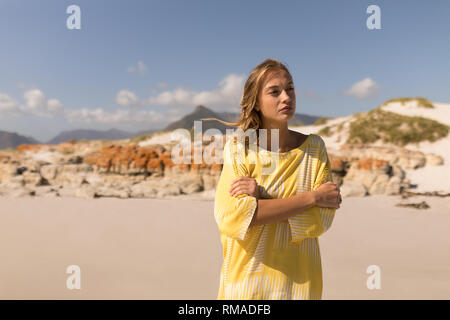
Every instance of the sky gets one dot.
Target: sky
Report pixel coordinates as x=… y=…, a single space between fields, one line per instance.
x=139 y=65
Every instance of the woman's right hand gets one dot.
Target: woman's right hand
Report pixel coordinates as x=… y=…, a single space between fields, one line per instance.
x=327 y=195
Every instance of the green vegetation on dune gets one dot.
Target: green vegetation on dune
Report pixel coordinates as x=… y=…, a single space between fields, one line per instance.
x=394 y=128
x=325 y=131
x=330 y=130
x=9 y=150
x=106 y=141
x=147 y=136
x=139 y=138
x=421 y=102
x=321 y=121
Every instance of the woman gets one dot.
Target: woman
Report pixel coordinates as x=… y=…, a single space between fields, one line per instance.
x=270 y=223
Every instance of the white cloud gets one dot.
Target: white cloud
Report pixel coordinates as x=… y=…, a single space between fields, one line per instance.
x=127 y=98
x=54 y=106
x=8 y=105
x=178 y=97
x=38 y=104
x=141 y=68
x=227 y=93
x=364 y=89
x=99 y=115
x=175 y=114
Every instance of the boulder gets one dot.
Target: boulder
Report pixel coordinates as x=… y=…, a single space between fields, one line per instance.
x=112 y=192
x=434 y=160
x=394 y=186
x=379 y=186
x=85 y=191
x=351 y=189
x=144 y=189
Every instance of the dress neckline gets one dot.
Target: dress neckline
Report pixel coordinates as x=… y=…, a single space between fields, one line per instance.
x=295 y=150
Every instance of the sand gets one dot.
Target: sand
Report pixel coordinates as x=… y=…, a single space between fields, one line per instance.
x=170 y=249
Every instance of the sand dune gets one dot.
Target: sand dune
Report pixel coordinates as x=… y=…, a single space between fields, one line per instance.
x=170 y=249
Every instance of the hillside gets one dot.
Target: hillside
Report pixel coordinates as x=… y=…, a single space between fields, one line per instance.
x=89 y=134
x=400 y=121
x=414 y=124
x=12 y=140
x=187 y=122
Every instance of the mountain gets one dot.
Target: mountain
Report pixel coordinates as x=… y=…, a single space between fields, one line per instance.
x=9 y=139
x=12 y=140
x=297 y=118
x=142 y=132
x=229 y=116
x=187 y=122
x=89 y=134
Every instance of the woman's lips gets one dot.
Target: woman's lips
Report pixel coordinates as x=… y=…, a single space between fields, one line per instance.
x=287 y=109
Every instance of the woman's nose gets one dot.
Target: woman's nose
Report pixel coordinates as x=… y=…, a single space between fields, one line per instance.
x=285 y=95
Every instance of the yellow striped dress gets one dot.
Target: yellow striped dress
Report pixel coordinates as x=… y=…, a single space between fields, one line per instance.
x=279 y=260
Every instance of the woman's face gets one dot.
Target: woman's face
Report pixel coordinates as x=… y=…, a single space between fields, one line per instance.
x=277 y=93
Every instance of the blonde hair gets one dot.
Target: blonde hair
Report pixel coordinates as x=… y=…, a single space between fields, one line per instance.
x=250 y=117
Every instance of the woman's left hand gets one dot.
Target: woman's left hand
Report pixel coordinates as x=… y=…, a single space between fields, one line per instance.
x=243 y=185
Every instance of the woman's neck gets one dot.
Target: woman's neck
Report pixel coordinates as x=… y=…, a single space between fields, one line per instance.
x=284 y=138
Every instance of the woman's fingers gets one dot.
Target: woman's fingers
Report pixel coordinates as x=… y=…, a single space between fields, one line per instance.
x=240 y=188
x=240 y=180
x=241 y=185
x=238 y=191
x=235 y=181
x=234 y=186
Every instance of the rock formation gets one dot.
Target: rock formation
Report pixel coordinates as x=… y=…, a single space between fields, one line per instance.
x=124 y=170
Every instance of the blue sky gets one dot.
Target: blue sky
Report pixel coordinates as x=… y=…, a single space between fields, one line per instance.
x=138 y=65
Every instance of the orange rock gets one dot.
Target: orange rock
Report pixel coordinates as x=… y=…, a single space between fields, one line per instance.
x=167 y=160
x=29 y=147
x=91 y=159
x=184 y=167
x=103 y=162
x=216 y=168
x=124 y=157
x=64 y=145
x=140 y=161
x=151 y=152
x=337 y=165
x=371 y=164
x=158 y=158
x=4 y=158
x=155 y=164
x=204 y=165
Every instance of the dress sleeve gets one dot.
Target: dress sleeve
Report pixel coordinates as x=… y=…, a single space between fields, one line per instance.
x=315 y=221
x=233 y=214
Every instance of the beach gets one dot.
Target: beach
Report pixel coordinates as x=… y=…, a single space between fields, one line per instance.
x=170 y=248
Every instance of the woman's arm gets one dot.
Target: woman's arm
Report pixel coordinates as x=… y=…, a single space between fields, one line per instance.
x=275 y=210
